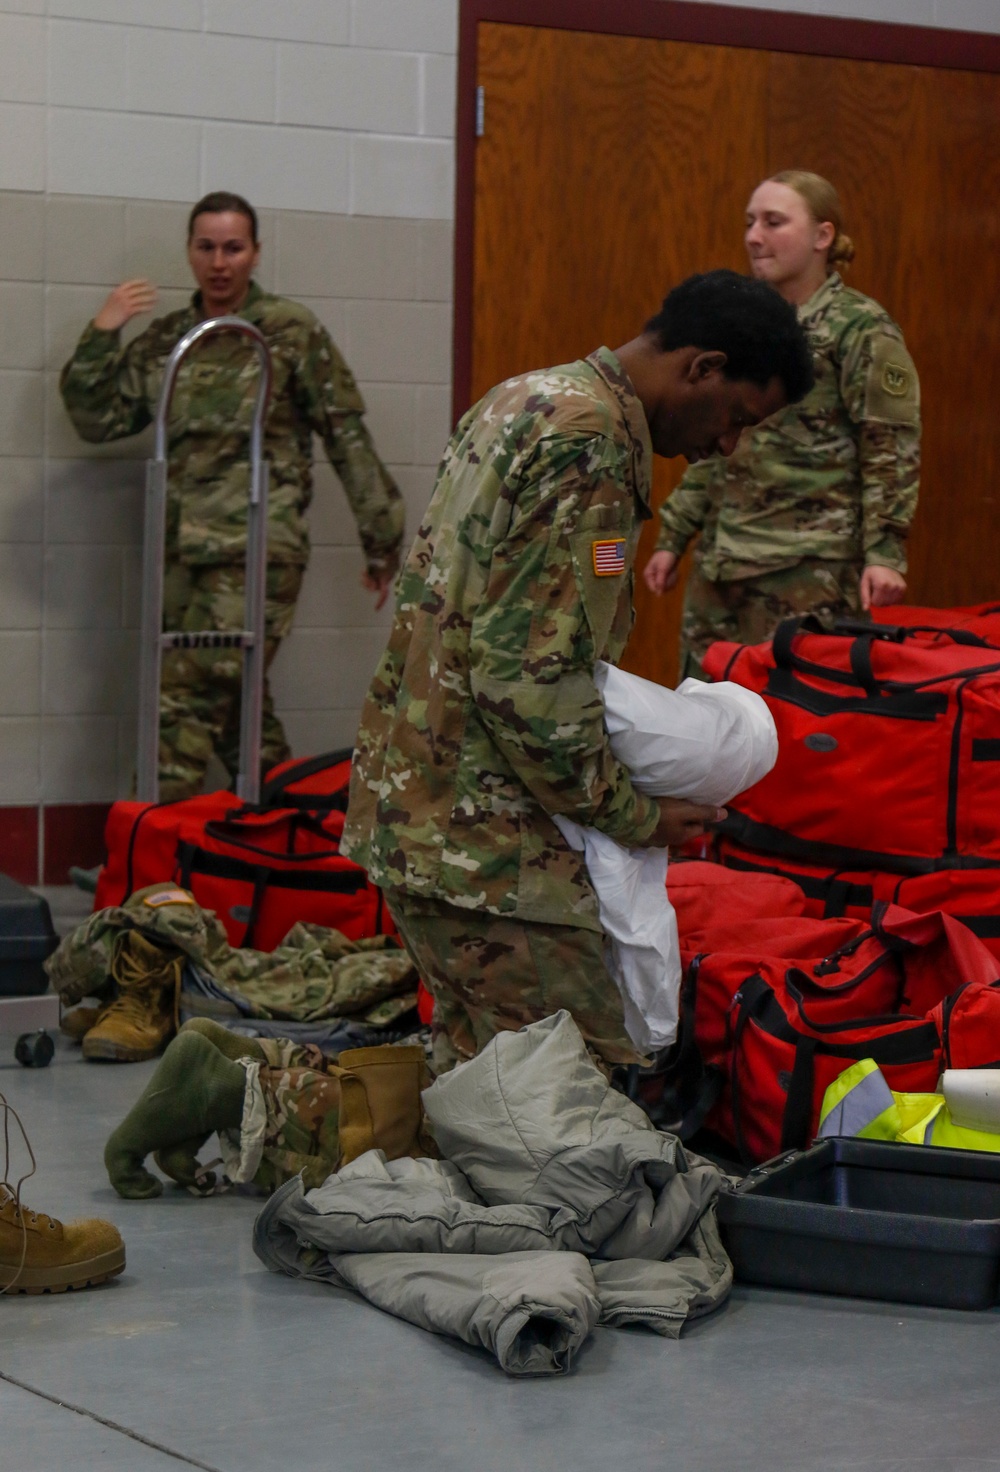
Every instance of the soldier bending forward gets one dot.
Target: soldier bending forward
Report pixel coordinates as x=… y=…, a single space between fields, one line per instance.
x=483 y=720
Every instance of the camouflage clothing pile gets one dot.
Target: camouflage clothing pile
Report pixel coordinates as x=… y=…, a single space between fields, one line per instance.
x=810 y=497
x=111 y=392
x=314 y=973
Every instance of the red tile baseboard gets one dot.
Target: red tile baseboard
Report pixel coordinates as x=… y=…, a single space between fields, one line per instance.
x=19 y=844
x=73 y=833
x=38 y=844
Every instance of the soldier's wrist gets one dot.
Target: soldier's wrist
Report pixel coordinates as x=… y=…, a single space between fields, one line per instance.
x=887 y=553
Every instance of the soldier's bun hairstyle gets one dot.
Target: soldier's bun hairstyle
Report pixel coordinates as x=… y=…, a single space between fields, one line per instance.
x=823 y=203
x=759 y=332
x=221 y=202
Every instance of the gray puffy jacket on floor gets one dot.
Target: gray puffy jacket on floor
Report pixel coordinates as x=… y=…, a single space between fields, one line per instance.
x=557 y=1207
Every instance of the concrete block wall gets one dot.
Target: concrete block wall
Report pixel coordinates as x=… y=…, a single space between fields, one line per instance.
x=336 y=118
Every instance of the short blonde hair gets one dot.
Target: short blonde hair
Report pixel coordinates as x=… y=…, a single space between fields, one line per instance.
x=823 y=203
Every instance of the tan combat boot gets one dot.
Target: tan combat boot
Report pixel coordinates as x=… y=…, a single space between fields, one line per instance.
x=141 y=1020
x=41 y=1255
x=76 y=1022
x=380 y=1105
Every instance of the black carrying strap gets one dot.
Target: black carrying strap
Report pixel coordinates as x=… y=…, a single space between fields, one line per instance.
x=232 y=831
x=187 y=857
x=690 y=1088
x=274 y=792
x=797 y=1118
x=785 y=634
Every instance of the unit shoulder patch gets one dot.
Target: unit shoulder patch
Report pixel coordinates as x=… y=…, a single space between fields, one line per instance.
x=892 y=390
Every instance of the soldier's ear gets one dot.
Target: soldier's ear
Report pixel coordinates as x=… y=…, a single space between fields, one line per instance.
x=705 y=365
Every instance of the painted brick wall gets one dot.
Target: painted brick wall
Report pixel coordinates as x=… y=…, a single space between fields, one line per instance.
x=336 y=118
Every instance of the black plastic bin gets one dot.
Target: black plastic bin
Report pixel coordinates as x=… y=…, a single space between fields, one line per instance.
x=26 y=939
x=870 y=1219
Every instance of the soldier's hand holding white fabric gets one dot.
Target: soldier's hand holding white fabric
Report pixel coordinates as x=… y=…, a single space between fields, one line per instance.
x=703 y=742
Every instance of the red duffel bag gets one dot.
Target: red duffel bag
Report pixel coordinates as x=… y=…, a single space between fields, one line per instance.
x=260 y=868
x=774 y=1010
x=978 y=618
x=969 y=895
x=887 y=783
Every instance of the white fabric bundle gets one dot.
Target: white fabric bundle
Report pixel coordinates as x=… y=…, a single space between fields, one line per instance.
x=702 y=742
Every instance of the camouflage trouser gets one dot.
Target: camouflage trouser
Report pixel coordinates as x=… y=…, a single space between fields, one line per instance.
x=200 y=688
x=303 y=1115
x=488 y=974
x=748 y=610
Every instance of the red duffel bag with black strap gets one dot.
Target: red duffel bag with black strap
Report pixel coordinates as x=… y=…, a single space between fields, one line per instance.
x=260 y=867
x=774 y=1010
x=888 y=747
x=969 y=895
x=887 y=783
x=978 y=618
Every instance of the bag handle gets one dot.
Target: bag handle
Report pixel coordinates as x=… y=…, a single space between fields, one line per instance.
x=229 y=831
x=308 y=767
x=784 y=637
x=899 y=633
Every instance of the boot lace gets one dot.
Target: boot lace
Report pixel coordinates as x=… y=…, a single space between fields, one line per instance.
x=13 y=1193
x=135 y=1004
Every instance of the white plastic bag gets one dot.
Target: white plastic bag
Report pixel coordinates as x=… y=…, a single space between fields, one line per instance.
x=702 y=742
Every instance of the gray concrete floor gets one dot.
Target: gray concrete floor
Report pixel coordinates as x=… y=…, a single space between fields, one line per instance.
x=198 y=1356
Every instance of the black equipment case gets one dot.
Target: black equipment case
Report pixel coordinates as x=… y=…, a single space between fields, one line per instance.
x=26 y=939
x=870 y=1219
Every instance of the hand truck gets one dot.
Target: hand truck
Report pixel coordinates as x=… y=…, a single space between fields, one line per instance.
x=249 y=639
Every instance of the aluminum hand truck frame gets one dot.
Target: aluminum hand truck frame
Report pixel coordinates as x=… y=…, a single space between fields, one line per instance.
x=249 y=639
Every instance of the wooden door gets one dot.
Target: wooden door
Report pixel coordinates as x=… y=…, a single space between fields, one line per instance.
x=611 y=167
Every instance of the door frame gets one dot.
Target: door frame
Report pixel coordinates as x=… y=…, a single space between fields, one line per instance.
x=670 y=20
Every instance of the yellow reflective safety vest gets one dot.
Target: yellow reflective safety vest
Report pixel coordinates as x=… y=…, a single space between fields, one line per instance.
x=860 y=1103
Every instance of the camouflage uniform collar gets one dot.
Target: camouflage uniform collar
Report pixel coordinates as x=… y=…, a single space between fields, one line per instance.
x=607 y=365
x=823 y=298
x=254 y=296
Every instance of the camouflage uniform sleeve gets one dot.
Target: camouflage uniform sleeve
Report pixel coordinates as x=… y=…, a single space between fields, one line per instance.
x=103 y=386
x=682 y=514
x=881 y=392
x=535 y=638
x=334 y=408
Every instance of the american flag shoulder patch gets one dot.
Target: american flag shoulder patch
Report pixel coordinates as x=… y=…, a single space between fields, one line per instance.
x=609 y=557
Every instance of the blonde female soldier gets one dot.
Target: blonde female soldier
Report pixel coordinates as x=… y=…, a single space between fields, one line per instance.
x=811 y=512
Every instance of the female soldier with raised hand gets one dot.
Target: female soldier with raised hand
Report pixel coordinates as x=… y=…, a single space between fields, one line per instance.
x=811 y=512
x=111 y=391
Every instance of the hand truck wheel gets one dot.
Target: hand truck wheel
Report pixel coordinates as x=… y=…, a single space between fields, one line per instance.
x=35 y=1049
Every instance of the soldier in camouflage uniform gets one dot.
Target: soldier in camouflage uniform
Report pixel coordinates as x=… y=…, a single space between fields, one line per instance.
x=811 y=512
x=111 y=392
x=483 y=720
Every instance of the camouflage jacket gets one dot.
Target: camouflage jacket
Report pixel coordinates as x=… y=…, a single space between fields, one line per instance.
x=111 y=392
x=315 y=973
x=834 y=476
x=483 y=719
